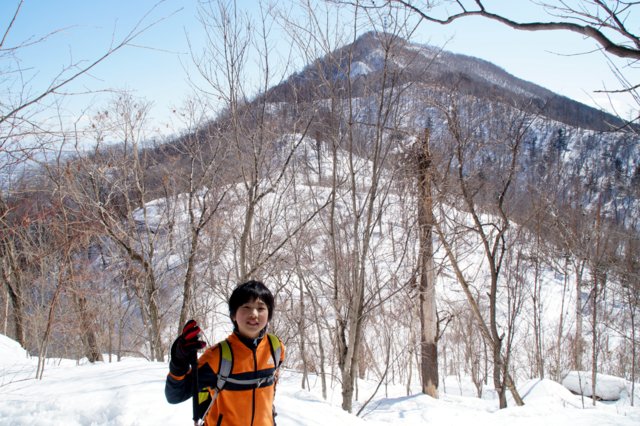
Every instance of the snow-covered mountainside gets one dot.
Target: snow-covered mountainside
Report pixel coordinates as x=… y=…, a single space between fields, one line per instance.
x=561 y=141
x=419 y=63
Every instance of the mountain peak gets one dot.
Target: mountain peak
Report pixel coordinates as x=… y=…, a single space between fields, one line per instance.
x=447 y=72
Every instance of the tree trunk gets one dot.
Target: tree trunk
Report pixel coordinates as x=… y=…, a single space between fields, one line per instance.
x=13 y=284
x=537 y=319
x=301 y=336
x=578 y=344
x=427 y=291
x=5 y=316
x=594 y=335
x=559 y=349
x=187 y=289
x=157 y=351
x=499 y=381
x=17 y=302
x=321 y=361
x=633 y=353
x=89 y=340
x=487 y=334
x=351 y=353
x=44 y=344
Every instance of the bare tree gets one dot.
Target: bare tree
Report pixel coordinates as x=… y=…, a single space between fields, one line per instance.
x=427 y=291
x=599 y=257
x=605 y=22
x=25 y=136
x=355 y=125
x=573 y=239
x=259 y=156
x=73 y=238
x=18 y=113
x=44 y=248
x=630 y=283
x=112 y=186
x=202 y=154
x=489 y=216
x=12 y=274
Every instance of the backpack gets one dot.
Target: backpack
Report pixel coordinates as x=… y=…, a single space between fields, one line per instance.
x=206 y=400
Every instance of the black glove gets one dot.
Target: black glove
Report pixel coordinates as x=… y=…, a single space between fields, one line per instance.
x=185 y=349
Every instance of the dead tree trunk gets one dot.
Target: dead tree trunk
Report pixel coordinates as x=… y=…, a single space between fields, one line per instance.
x=578 y=342
x=14 y=286
x=428 y=317
x=89 y=340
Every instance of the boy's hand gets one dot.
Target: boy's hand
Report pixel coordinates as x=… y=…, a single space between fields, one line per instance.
x=185 y=349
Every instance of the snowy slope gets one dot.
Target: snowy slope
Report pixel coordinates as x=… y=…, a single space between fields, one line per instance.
x=131 y=392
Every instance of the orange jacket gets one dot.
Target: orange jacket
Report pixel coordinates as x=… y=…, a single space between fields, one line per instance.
x=235 y=405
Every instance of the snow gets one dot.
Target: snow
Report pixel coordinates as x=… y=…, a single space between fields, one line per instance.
x=359 y=68
x=131 y=392
x=608 y=388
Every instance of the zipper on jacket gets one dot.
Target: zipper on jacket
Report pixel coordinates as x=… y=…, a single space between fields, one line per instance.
x=253 y=392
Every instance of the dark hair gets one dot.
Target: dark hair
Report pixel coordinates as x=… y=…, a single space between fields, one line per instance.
x=248 y=292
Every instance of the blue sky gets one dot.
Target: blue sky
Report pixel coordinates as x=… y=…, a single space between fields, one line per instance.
x=154 y=68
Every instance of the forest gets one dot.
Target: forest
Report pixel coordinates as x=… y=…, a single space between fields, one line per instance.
x=410 y=228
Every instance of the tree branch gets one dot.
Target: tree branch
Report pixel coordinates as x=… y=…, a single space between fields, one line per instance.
x=589 y=31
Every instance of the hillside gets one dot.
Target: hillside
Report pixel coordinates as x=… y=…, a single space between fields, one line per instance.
x=581 y=152
x=443 y=71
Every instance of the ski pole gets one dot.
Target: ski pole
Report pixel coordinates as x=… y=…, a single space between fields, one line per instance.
x=195 y=388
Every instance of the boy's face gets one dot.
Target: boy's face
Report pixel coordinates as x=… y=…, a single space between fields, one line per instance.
x=251 y=318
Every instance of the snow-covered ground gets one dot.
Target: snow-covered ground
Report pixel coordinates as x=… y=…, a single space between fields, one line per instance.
x=131 y=392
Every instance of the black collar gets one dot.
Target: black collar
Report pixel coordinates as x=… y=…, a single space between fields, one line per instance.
x=251 y=343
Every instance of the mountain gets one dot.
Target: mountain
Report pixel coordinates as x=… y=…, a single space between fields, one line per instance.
x=437 y=68
x=586 y=155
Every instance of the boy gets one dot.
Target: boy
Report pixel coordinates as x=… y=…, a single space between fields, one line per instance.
x=247 y=396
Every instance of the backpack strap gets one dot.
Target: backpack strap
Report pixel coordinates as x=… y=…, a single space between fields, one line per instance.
x=276 y=349
x=205 y=398
x=226 y=364
x=276 y=353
